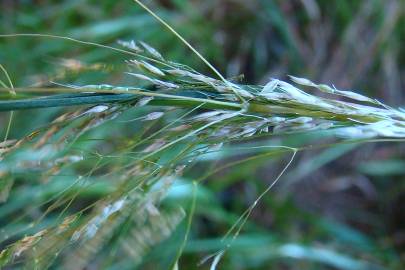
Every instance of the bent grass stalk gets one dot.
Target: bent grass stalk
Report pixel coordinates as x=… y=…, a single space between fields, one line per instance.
x=184 y=41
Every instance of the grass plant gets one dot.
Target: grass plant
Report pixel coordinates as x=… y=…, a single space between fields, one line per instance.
x=95 y=186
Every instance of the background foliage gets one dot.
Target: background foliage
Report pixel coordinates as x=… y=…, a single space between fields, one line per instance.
x=338 y=207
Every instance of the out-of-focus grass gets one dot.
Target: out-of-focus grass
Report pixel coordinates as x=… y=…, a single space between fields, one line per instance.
x=344 y=214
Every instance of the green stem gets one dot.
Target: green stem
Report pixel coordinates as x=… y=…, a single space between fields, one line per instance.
x=102 y=96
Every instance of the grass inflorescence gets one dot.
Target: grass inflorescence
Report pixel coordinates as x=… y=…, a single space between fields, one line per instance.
x=93 y=186
x=157 y=158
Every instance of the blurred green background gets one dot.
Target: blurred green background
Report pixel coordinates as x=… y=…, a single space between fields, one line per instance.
x=336 y=208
